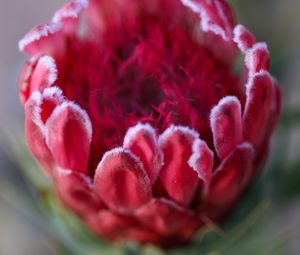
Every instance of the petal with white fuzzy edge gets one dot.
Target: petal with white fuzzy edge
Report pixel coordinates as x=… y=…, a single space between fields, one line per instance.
x=226 y=125
x=44 y=39
x=141 y=140
x=69 y=14
x=202 y=161
x=258 y=106
x=257 y=58
x=35 y=129
x=163 y=216
x=231 y=176
x=216 y=16
x=77 y=192
x=68 y=135
x=243 y=38
x=122 y=182
x=178 y=178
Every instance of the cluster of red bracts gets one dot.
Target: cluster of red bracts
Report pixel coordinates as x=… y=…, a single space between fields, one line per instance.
x=157 y=170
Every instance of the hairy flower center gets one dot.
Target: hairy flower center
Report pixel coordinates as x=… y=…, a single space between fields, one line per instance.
x=143 y=71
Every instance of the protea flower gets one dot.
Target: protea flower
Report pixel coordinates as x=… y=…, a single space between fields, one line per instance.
x=136 y=111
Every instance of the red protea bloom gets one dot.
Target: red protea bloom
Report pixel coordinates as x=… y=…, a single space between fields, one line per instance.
x=139 y=117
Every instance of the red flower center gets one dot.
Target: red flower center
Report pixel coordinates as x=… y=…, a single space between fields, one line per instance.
x=143 y=70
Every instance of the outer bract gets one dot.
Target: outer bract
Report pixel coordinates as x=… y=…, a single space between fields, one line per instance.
x=136 y=113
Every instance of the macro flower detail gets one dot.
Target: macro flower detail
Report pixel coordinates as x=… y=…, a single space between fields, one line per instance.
x=136 y=111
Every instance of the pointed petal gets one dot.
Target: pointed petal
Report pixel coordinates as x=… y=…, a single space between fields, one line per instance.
x=68 y=135
x=258 y=107
x=178 y=178
x=35 y=132
x=141 y=140
x=202 y=161
x=230 y=178
x=69 y=14
x=243 y=38
x=77 y=192
x=43 y=39
x=163 y=216
x=226 y=125
x=122 y=182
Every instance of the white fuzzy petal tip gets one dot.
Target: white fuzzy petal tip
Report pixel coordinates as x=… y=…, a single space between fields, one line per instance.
x=173 y=129
x=48 y=63
x=207 y=24
x=237 y=32
x=39 y=32
x=34 y=103
x=54 y=92
x=117 y=151
x=131 y=133
x=224 y=101
x=86 y=122
x=250 y=82
x=70 y=10
x=250 y=54
x=197 y=154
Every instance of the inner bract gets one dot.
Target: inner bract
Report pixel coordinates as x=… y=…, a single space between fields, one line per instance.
x=143 y=70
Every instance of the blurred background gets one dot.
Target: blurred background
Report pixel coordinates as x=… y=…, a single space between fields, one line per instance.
x=275 y=21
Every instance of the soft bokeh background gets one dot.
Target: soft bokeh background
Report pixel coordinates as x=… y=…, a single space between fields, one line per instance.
x=275 y=21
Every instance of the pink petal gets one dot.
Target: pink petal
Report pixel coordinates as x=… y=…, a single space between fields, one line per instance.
x=163 y=216
x=258 y=107
x=178 y=178
x=69 y=14
x=257 y=58
x=77 y=192
x=141 y=140
x=24 y=80
x=230 y=177
x=226 y=125
x=35 y=132
x=68 y=135
x=243 y=38
x=44 y=75
x=202 y=161
x=43 y=39
x=38 y=74
x=122 y=182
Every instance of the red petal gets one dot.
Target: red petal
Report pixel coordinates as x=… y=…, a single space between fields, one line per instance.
x=77 y=192
x=68 y=135
x=44 y=74
x=43 y=39
x=163 y=216
x=178 y=178
x=230 y=177
x=202 y=161
x=35 y=132
x=226 y=125
x=122 y=182
x=243 y=38
x=257 y=58
x=141 y=140
x=258 y=107
x=116 y=227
